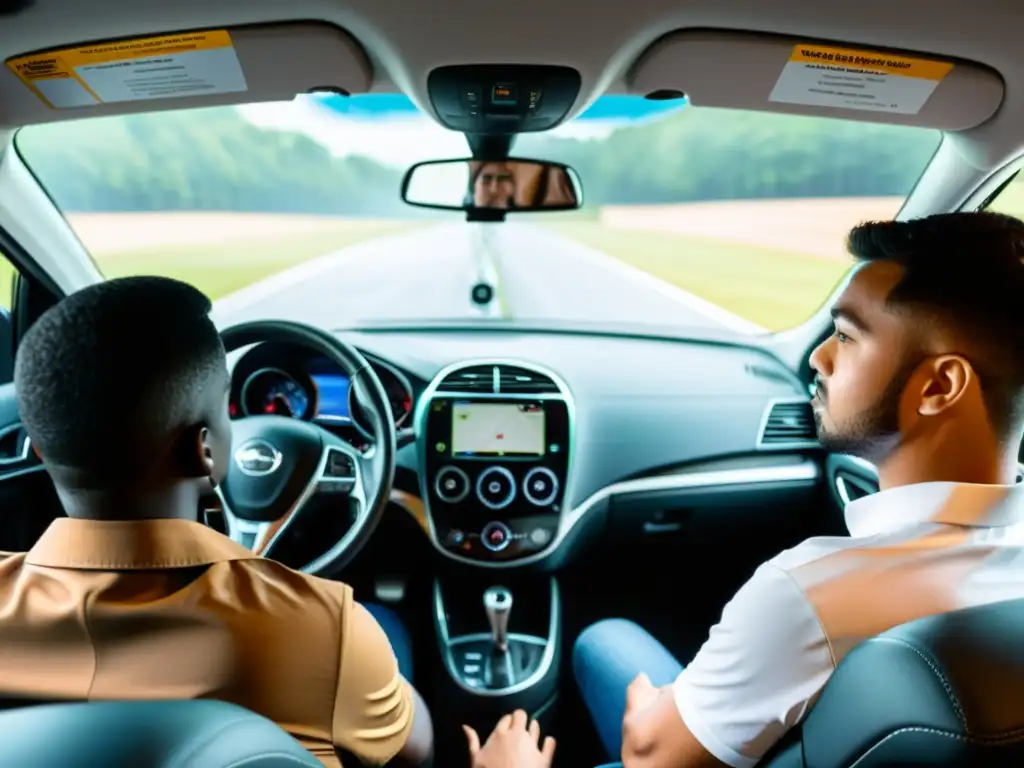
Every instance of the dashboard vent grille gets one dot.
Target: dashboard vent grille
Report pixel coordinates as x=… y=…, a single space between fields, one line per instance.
x=498 y=379
x=789 y=423
x=475 y=378
x=512 y=379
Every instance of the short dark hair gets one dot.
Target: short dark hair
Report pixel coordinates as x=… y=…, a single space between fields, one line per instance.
x=107 y=377
x=965 y=270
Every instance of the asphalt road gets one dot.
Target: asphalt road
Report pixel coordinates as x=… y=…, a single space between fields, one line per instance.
x=428 y=273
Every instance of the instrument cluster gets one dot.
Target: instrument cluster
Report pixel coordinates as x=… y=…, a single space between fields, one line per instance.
x=312 y=388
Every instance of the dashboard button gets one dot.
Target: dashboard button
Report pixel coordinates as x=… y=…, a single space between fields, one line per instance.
x=339 y=466
x=496 y=487
x=495 y=536
x=540 y=486
x=540 y=536
x=451 y=485
x=455 y=537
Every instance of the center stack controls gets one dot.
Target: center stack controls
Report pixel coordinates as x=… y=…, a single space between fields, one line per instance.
x=495 y=447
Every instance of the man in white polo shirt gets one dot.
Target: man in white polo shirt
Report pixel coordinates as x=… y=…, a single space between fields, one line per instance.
x=923 y=377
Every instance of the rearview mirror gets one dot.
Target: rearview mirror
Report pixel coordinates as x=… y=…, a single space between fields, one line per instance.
x=510 y=185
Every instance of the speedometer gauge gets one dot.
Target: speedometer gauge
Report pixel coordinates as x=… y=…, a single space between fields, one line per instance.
x=272 y=391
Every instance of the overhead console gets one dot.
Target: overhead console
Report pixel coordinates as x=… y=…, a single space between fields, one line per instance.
x=495 y=441
x=774 y=73
x=502 y=99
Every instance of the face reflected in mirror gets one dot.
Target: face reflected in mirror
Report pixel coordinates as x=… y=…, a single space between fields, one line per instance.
x=494 y=186
x=502 y=185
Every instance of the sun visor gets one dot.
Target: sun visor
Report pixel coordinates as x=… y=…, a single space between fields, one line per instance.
x=782 y=74
x=267 y=62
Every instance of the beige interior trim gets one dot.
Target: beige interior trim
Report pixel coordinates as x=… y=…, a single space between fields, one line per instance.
x=279 y=61
x=740 y=69
x=413 y=505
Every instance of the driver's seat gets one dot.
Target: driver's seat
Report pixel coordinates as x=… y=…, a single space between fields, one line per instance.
x=947 y=690
x=146 y=734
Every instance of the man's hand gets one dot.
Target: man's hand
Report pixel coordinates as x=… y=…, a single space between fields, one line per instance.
x=653 y=733
x=640 y=695
x=511 y=745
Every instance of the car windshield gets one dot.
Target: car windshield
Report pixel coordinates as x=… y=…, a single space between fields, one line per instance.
x=692 y=218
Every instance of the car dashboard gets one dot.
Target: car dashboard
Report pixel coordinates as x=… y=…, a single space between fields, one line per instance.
x=515 y=447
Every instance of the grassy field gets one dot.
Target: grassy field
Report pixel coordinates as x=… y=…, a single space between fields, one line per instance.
x=223 y=267
x=759 y=273
x=774 y=288
x=223 y=264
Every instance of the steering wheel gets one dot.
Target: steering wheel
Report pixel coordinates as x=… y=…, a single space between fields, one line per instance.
x=279 y=463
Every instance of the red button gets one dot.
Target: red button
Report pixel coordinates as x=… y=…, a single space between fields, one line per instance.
x=495 y=535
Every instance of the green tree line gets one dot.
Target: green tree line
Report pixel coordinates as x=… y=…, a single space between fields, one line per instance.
x=716 y=154
x=208 y=159
x=214 y=159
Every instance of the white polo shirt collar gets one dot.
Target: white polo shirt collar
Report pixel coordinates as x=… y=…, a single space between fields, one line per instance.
x=962 y=504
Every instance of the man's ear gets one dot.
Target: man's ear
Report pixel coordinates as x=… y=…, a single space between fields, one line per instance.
x=196 y=454
x=947 y=379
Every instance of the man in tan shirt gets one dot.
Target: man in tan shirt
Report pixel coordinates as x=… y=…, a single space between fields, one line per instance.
x=123 y=390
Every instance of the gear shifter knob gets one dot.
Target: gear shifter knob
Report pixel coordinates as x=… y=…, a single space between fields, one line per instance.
x=498 y=605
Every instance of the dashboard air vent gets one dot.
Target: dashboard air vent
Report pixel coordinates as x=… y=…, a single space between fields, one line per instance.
x=14 y=445
x=475 y=378
x=789 y=423
x=498 y=378
x=515 y=380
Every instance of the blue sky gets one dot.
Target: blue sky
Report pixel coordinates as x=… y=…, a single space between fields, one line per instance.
x=377 y=106
x=392 y=130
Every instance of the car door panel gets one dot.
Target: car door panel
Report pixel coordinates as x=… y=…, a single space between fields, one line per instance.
x=27 y=497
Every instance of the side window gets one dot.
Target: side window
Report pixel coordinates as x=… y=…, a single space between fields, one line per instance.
x=8 y=275
x=1010 y=199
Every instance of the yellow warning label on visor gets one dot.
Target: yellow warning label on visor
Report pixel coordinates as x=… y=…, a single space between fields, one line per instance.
x=847 y=78
x=169 y=66
x=874 y=62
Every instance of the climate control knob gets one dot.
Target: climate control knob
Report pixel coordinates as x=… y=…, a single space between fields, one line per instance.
x=451 y=484
x=540 y=486
x=496 y=487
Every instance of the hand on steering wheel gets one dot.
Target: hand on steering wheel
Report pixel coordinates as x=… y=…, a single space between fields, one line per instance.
x=280 y=463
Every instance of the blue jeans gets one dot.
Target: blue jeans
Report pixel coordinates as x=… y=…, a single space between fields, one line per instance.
x=398 y=635
x=607 y=657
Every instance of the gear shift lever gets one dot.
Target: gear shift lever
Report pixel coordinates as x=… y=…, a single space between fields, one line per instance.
x=498 y=605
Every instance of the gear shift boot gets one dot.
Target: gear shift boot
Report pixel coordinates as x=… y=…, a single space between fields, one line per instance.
x=502 y=661
x=501 y=657
x=480 y=666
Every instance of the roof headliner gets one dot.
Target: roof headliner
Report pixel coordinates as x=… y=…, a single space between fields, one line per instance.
x=404 y=41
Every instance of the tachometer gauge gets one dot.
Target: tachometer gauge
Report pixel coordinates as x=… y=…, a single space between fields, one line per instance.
x=272 y=391
x=399 y=395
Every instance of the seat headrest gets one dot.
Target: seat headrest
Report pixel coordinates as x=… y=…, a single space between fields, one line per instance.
x=146 y=734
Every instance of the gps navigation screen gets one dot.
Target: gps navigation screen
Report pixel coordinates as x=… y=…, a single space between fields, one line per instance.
x=498 y=429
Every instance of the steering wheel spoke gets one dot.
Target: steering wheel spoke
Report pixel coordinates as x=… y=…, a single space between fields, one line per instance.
x=339 y=473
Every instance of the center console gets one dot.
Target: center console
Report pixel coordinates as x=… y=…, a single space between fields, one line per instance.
x=495 y=441
x=500 y=644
